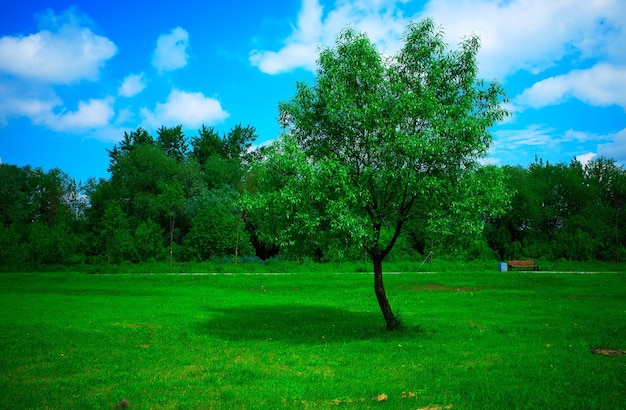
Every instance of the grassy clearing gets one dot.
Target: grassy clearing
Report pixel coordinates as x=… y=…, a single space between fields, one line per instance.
x=473 y=340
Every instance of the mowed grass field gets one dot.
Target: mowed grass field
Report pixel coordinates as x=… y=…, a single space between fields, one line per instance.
x=472 y=340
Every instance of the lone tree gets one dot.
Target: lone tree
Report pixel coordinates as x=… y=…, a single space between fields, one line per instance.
x=373 y=136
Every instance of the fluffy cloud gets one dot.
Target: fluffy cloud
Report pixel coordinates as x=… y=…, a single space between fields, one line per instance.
x=532 y=34
x=585 y=158
x=287 y=59
x=90 y=114
x=66 y=54
x=515 y=35
x=601 y=85
x=189 y=109
x=615 y=149
x=43 y=107
x=171 y=50
x=132 y=85
x=64 y=51
x=21 y=100
x=300 y=48
x=382 y=20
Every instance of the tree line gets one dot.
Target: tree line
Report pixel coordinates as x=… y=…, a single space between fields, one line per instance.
x=167 y=197
x=172 y=198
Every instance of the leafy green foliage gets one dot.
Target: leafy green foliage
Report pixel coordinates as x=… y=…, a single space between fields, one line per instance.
x=556 y=212
x=214 y=226
x=148 y=240
x=42 y=218
x=561 y=212
x=158 y=182
x=116 y=234
x=15 y=192
x=172 y=141
x=374 y=136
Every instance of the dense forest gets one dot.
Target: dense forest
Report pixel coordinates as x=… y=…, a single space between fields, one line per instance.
x=173 y=198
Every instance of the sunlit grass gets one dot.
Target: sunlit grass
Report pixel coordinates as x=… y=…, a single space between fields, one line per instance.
x=480 y=339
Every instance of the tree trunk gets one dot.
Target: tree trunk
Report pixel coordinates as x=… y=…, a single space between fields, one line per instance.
x=379 y=288
x=617 y=234
x=171 y=240
x=237 y=239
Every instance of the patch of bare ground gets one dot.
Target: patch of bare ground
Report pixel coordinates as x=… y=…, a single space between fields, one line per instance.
x=608 y=352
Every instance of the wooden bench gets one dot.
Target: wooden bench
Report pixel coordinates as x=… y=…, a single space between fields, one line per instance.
x=525 y=265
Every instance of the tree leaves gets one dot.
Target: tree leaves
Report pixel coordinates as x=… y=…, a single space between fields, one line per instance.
x=374 y=135
x=370 y=138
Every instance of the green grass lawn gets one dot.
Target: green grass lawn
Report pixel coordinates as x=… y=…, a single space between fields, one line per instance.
x=472 y=340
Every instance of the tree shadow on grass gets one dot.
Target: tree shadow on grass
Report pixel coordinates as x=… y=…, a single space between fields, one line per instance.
x=300 y=324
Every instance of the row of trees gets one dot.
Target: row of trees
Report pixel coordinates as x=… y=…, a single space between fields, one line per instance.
x=190 y=206
x=567 y=211
x=183 y=200
x=166 y=196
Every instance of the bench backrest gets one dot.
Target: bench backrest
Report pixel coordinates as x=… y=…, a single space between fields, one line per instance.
x=521 y=262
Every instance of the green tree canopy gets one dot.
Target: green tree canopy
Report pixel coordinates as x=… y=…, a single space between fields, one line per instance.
x=373 y=136
x=173 y=142
x=610 y=179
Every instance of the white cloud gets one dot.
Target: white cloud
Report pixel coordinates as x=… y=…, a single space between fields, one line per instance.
x=41 y=105
x=601 y=85
x=580 y=136
x=187 y=108
x=89 y=115
x=64 y=51
x=287 y=59
x=124 y=115
x=515 y=35
x=515 y=145
x=539 y=136
x=171 y=50
x=532 y=136
x=382 y=20
x=132 y=85
x=585 y=158
x=533 y=34
x=67 y=54
x=615 y=149
x=300 y=49
x=18 y=99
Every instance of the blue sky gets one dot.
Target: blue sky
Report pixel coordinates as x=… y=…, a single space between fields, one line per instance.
x=74 y=76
